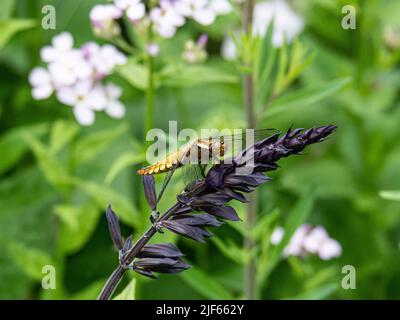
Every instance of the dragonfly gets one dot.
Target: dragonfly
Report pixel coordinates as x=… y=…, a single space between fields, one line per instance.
x=199 y=153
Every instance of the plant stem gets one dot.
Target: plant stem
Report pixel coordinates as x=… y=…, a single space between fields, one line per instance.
x=248 y=101
x=118 y=273
x=149 y=121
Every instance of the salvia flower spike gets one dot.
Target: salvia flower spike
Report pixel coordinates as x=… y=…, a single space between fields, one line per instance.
x=114 y=228
x=150 y=191
x=210 y=196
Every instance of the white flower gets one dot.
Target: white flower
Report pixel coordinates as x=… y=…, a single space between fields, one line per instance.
x=135 y=9
x=329 y=249
x=287 y=25
x=85 y=98
x=199 y=10
x=307 y=240
x=295 y=246
x=62 y=44
x=70 y=68
x=80 y=97
x=102 y=13
x=167 y=18
x=40 y=80
x=228 y=50
x=103 y=59
x=220 y=7
x=277 y=235
x=114 y=107
x=102 y=17
x=75 y=76
x=314 y=239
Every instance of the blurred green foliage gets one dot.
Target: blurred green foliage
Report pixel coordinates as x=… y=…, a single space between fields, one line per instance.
x=58 y=177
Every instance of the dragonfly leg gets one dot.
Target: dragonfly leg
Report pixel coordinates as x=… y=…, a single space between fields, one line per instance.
x=167 y=179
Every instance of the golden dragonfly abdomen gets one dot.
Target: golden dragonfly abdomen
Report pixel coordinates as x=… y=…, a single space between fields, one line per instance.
x=177 y=159
x=165 y=165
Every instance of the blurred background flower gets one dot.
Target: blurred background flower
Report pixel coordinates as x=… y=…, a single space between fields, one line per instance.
x=76 y=75
x=308 y=240
x=287 y=24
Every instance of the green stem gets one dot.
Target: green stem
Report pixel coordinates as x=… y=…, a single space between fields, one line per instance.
x=150 y=97
x=248 y=101
x=149 y=114
x=124 y=45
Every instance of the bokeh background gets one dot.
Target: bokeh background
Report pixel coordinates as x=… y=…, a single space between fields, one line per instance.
x=57 y=177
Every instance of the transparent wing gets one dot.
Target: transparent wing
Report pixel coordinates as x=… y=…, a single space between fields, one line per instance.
x=193 y=172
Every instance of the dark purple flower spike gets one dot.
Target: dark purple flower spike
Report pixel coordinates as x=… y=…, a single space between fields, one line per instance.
x=223 y=183
x=161 y=258
x=150 y=191
x=114 y=228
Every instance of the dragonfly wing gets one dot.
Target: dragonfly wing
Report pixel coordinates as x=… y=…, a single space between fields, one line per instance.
x=193 y=172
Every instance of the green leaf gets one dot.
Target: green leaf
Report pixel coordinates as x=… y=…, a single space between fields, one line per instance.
x=331 y=179
x=10 y=27
x=78 y=224
x=29 y=260
x=53 y=170
x=104 y=195
x=13 y=146
x=62 y=132
x=189 y=76
x=89 y=147
x=264 y=224
x=205 y=284
x=280 y=83
x=267 y=52
x=229 y=249
x=390 y=195
x=129 y=292
x=135 y=73
x=297 y=216
x=7 y=7
x=90 y=292
x=305 y=97
x=26 y=218
x=266 y=80
x=320 y=293
x=122 y=162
